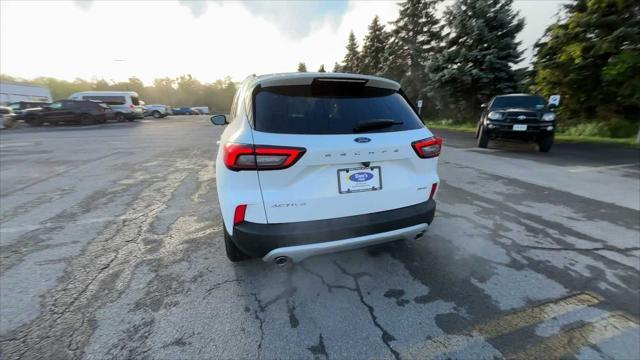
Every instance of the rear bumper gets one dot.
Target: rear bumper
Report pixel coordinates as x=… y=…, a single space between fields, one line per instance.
x=302 y=239
x=134 y=115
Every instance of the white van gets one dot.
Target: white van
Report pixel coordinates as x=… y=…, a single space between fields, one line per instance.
x=125 y=104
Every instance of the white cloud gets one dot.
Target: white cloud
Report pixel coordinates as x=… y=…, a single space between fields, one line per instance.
x=62 y=40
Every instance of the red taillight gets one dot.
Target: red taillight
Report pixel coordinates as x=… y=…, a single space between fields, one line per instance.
x=100 y=109
x=434 y=187
x=132 y=107
x=428 y=148
x=238 y=216
x=260 y=157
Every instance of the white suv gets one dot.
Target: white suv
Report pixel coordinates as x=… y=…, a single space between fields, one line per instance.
x=312 y=163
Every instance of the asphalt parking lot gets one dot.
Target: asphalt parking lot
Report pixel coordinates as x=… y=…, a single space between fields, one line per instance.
x=110 y=247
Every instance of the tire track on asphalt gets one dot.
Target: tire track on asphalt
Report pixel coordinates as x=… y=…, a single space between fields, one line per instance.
x=64 y=171
x=99 y=275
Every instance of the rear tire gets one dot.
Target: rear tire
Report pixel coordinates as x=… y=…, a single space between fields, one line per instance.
x=156 y=114
x=545 y=143
x=233 y=252
x=483 y=138
x=34 y=121
x=120 y=117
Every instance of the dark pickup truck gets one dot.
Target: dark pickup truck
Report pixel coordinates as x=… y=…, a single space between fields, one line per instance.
x=517 y=116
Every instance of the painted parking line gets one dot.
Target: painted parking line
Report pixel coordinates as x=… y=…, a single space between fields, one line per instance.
x=596 y=168
x=509 y=323
x=571 y=341
x=12 y=144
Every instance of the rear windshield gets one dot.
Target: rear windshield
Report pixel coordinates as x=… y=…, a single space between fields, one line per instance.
x=325 y=110
x=135 y=100
x=529 y=102
x=111 y=100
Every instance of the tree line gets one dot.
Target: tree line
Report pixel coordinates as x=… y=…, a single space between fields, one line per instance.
x=457 y=61
x=181 y=91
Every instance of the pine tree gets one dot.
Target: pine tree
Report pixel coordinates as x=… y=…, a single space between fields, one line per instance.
x=373 y=49
x=321 y=69
x=302 y=67
x=336 y=68
x=480 y=52
x=592 y=59
x=415 y=39
x=351 y=61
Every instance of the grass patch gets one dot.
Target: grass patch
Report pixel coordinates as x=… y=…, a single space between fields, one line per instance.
x=583 y=133
x=630 y=141
x=445 y=124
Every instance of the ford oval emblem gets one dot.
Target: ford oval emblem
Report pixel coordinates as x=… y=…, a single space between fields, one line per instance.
x=521 y=117
x=362 y=140
x=361 y=176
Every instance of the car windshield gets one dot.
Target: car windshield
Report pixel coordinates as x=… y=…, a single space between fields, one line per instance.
x=337 y=110
x=527 y=102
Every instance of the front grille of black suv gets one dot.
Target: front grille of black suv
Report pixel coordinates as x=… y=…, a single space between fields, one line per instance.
x=513 y=117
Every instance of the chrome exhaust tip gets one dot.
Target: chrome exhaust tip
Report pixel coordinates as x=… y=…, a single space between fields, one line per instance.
x=281 y=261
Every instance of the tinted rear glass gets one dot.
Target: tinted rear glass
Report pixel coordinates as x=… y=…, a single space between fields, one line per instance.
x=329 y=110
x=111 y=100
x=530 y=102
x=135 y=100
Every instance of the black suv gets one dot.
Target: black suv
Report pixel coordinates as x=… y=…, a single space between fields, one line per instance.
x=69 y=111
x=517 y=116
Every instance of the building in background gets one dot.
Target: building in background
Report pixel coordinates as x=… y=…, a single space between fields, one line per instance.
x=11 y=92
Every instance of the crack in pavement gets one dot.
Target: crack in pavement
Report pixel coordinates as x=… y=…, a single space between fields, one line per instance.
x=261 y=321
x=330 y=287
x=602 y=248
x=218 y=285
x=285 y=294
x=386 y=336
x=319 y=349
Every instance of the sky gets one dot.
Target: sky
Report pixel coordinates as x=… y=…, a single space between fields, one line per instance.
x=115 y=40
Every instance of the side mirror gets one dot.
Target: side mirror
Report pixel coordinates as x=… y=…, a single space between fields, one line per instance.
x=484 y=106
x=219 y=120
x=552 y=107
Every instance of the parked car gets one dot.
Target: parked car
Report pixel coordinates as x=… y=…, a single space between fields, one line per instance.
x=203 y=110
x=517 y=116
x=69 y=111
x=7 y=117
x=157 y=110
x=301 y=165
x=125 y=104
x=183 y=111
x=20 y=106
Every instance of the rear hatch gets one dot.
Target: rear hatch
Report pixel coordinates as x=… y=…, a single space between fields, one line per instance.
x=358 y=156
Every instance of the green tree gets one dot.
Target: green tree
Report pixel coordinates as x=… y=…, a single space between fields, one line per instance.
x=321 y=69
x=373 y=49
x=416 y=38
x=477 y=61
x=302 y=67
x=351 y=61
x=336 y=68
x=592 y=58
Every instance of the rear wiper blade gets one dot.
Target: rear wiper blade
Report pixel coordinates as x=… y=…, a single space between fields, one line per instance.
x=364 y=125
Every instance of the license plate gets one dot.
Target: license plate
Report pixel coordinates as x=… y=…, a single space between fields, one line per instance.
x=519 y=127
x=359 y=179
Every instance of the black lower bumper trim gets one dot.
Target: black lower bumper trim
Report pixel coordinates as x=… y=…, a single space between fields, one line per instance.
x=258 y=239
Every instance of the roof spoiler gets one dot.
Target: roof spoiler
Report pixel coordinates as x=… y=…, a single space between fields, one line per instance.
x=369 y=81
